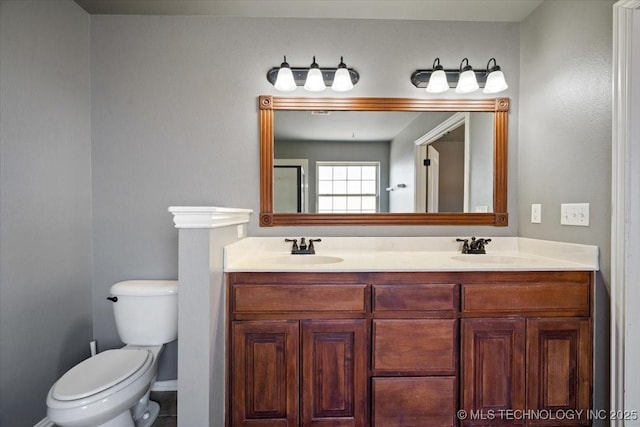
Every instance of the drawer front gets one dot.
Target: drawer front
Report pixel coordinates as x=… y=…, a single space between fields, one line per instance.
x=416 y=401
x=571 y=299
x=289 y=298
x=436 y=297
x=418 y=346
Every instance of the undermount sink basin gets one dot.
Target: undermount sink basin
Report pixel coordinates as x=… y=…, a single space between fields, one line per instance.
x=306 y=259
x=486 y=259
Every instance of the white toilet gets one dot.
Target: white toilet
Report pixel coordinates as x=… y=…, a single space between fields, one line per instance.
x=112 y=388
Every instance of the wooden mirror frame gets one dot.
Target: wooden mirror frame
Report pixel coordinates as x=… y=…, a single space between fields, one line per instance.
x=267 y=104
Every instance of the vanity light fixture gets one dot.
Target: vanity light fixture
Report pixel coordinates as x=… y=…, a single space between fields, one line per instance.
x=438 y=81
x=495 y=78
x=313 y=78
x=464 y=79
x=342 y=80
x=284 y=80
x=314 y=82
x=467 y=82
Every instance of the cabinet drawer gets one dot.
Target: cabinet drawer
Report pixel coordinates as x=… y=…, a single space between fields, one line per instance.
x=287 y=298
x=435 y=297
x=416 y=401
x=570 y=299
x=418 y=346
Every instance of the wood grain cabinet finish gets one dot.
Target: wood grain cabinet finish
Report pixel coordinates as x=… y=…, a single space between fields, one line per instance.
x=559 y=365
x=493 y=374
x=408 y=349
x=414 y=402
x=264 y=374
x=334 y=373
x=304 y=298
x=414 y=346
x=571 y=297
x=531 y=363
x=415 y=297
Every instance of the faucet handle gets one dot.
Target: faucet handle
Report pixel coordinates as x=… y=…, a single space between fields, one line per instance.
x=311 y=248
x=295 y=243
x=465 y=245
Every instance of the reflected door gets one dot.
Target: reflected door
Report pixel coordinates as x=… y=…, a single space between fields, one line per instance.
x=288 y=185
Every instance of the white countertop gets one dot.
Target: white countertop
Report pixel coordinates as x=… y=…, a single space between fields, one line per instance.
x=370 y=254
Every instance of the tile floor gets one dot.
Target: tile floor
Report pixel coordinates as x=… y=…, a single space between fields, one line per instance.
x=168 y=401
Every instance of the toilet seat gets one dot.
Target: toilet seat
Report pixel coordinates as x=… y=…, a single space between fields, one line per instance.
x=121 y=389
x=101 y=372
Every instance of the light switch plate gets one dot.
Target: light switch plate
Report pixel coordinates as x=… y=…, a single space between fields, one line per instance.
x=574 y=214
x=536 y=213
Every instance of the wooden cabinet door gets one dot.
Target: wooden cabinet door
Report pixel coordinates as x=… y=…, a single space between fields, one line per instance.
x=334 y=373
x=559 y=369
x=493 y=371
x=265 y=373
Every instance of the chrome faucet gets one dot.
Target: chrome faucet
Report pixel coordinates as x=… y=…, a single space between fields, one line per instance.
x=303 y=249
x=476 y=246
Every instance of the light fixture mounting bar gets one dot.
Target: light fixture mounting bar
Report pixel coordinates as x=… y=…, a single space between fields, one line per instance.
x=300 y=75
x=420 y=78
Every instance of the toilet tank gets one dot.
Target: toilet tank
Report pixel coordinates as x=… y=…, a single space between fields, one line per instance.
x=146 y=311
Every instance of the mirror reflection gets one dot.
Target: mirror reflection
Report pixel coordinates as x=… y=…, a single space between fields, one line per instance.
x=335 y=162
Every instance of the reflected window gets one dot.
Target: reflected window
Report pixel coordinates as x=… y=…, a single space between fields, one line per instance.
x=348 y=187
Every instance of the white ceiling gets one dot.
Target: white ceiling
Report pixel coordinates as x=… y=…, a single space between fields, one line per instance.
x=439 y=10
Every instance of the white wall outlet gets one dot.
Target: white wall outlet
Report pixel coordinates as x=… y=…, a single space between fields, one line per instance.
x=240 y=231
x=574 y=214
x=536 y=213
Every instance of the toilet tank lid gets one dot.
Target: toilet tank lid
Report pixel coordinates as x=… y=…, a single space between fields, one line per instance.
x=143 y=288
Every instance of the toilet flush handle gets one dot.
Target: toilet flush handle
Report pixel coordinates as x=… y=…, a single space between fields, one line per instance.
x=113 y=299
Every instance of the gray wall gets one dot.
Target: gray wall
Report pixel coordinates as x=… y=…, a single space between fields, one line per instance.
x=175 y=120
x=565 y=137
x=45 y=201
x=481 y=166
x=403 y=169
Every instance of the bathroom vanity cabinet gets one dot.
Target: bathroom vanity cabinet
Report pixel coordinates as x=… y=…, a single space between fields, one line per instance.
x=526 y=349
x=407 y=348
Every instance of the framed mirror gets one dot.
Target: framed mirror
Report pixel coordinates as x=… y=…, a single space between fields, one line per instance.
x=383 y=161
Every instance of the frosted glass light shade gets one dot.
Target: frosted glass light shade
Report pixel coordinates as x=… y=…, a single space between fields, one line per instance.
x=467 y=82
x=438 y=82
x=314 y=82
x=495 y=82
x=285 y=81
x=342 y=81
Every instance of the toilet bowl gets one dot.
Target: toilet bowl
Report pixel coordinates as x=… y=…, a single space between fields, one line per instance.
x=112 y=388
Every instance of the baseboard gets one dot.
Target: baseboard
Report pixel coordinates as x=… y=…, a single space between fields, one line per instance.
x=166 y=385
x=44 y=423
